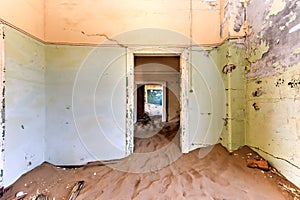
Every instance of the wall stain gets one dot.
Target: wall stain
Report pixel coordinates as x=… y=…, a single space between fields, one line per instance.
x=228 y=68
x=294 y=83
x=255 y=106
x=257 y=93
x=279 y=82
x=257 y=51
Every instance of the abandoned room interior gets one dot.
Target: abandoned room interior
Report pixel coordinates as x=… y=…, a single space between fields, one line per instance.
x=150 y=99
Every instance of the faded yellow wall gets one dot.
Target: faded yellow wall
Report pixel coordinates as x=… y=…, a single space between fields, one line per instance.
x=27 y=15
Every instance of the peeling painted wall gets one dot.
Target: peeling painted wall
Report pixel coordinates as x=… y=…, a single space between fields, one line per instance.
x=273 y=113
x=261 y=107
x=24 y=104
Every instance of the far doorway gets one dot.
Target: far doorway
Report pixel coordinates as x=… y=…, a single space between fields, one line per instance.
x=157 y=100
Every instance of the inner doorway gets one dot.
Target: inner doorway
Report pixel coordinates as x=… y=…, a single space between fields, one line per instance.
x=157 y=99
x=151 y=65
x=150 y=99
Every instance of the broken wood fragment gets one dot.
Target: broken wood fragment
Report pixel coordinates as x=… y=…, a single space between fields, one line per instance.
x=76 y=190
x=20 y=195
x=261 y=164
x=41 y=197
x=4 y=190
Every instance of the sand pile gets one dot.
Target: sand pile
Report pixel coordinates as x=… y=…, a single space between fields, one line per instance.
x=219 y=175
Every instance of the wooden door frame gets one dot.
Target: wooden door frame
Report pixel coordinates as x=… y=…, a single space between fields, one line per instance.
x=130 y=97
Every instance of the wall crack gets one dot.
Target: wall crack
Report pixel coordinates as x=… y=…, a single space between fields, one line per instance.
x=105 y=36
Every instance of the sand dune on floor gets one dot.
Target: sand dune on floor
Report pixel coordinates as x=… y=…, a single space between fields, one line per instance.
x=218 y=175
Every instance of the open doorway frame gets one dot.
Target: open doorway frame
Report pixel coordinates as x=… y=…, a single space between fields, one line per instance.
x=130 y=93
x=164 y=86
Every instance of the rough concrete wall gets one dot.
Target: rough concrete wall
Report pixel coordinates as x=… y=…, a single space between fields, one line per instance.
x=272 y=126
x=27 y=15
x=24 y=104
x=86 y=104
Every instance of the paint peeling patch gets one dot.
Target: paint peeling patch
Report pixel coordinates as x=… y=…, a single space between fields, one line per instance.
x=276 y=64
x=257 y=51
x=276 y=7
x=297 y=51
x=228 y=68
x=294 y=28
x=257 y=93
x=292 y=17
x=258 y=82
x=279 y=82
x=294 y=83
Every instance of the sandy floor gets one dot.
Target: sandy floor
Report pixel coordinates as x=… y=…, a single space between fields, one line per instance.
x=163 y=175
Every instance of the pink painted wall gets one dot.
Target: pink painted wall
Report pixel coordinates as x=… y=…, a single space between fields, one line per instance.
x=27 y=15
x=67 y=20
x=71 y=21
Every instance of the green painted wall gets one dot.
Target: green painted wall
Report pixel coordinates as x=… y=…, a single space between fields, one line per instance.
x=232 y=54
x=24 y=143
x=273 y=77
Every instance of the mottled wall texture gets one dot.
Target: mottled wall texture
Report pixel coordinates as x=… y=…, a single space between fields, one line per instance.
x=273 y=84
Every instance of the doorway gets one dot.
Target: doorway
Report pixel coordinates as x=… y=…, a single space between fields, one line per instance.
x=161 y=74
x=157 y=101
x=150 y=99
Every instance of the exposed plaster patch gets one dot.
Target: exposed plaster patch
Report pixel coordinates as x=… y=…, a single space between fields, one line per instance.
x=293 y=17
x=297 y=51
x=277 y=6
x=257 y=51
x=276 y=64
x=294 y=28
x=235 y=19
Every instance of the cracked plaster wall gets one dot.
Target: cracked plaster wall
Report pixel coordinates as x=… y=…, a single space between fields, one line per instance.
x=273 y=77
x=73 y=21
